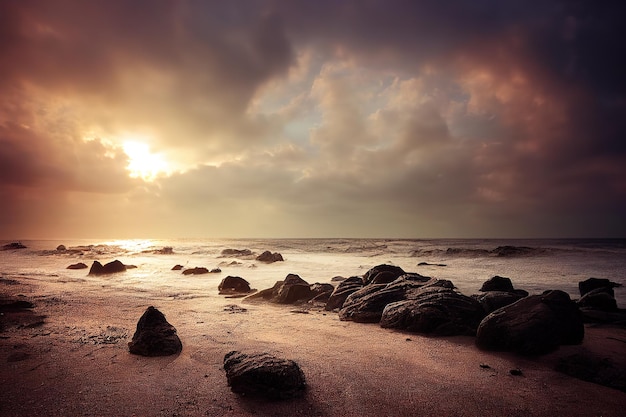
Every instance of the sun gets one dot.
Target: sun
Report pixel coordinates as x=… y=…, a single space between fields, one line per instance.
x=142 y=163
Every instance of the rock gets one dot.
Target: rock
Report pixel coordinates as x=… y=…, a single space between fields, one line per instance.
x=534 y=325
x=269 y=257
x=196 y=271
x=429 y=264
x=263 y=375
x=493 y=300
x=338 y=278
x=497 y=283
x=321 y=292
x=177 y=267
x=154 y=336
x=601 y=298
x=389 y=273
x=591 y=284
x=215 y=271
x=434 y=309
x=13 y=245
x=234 y=285
x=293 y=289
x=78 y=265
x=267 y=294
x=343 y=290
x=111 y=268
x=61 y=248
x=367 y=304
x=236 y=252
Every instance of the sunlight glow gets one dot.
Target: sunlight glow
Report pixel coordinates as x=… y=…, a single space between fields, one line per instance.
x=142 y=163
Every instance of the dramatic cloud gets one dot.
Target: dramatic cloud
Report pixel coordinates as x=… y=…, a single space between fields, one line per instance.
x=298 y=118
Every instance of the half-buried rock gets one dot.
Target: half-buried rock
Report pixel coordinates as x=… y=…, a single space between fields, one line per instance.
x=263 y=375
x=154 y=336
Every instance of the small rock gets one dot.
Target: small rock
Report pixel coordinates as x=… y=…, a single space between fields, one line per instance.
x=78 y=265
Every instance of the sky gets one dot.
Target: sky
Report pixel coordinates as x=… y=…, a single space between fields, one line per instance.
x=326 y=118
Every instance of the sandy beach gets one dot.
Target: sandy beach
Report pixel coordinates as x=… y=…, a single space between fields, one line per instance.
x=77 y=362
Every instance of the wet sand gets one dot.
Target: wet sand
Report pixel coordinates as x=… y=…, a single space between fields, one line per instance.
x=77 y=362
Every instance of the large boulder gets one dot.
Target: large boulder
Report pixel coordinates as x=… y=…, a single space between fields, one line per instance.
x=534 y=325
x=154 y=336
x=601 y=298
x=591 y=284
x=110 y=268
x=437 y=309
x=263 y=375
x=342 y=291
x=292 y=290
x=382 y=274
x=497 y=283
x=367 y=304
x=234 y=285
x=493 y=300
x=270 y=257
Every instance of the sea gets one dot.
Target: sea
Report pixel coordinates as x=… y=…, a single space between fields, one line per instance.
x=534 y=265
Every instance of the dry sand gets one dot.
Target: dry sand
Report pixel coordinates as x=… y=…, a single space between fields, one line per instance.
x=77 y=362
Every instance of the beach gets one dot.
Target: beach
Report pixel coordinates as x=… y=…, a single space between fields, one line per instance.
x=77 y=362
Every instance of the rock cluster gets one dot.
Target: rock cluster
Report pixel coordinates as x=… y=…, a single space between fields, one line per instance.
x=110 y=268
x=270 y=257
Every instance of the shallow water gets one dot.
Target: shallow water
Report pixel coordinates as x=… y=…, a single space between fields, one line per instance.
x=533 y=265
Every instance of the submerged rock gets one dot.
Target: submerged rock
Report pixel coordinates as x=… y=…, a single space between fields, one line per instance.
x=236 y=252
x=78 y=265
x=154 y=336
x=264 y=375
x=13 y=245
x=534 y=325
x=196 y=271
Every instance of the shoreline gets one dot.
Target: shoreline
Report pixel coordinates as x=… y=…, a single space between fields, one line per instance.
x=77 y=362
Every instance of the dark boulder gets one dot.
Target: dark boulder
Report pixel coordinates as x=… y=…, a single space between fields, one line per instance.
x=389 y=273
x=263 y=375
x=236 y=252
x=154 y=336
x=601 y=298
x=292 y=290
x=319 y=289
x=497 y=283
x=234 y=285
x=367 y=304
x=177 y=267
x=534 y=325
x=199 y=270
x=12 y=246
x=78 y=265
x=493 y=300
x=110 y=268
x=61 y=248
x=435 y=309
x=591 y=284
x=270 y=257
x=343 y=290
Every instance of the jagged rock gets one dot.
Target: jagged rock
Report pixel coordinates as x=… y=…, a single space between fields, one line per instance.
x=270 y=257
x=434 y=309
x=591 y=284
x=497 y=283
x=177 y=267
x=110 y=268
x=343 y=290
x=387 y=274
x=533 y=325
x=78 y=265
x=196 y=271
x=367 y=304
x=263 y=375
x=234 y=285
x=154 y=336
x=493 y=300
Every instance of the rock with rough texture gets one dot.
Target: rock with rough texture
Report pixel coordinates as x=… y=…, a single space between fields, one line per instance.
x=382 y=274
x=591 y=284
x=198 y=270
x=493 y=300
x=497 y=283
x=270 y=257
x=434 y=309
x=154 y=336
x=367 y=304
x=343 y=290
x=264 y=375
x=601 y=298
x=292 y=290
x=534 y=325
x=78 y=265
x=110 y=268
x=234 y=285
